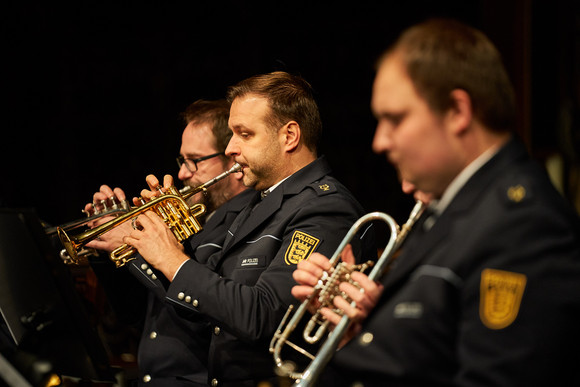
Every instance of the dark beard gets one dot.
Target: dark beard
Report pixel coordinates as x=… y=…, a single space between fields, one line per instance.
x=207 y=200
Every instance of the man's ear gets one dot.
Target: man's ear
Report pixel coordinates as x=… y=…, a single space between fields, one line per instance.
x=460 y=114
x=291 y=135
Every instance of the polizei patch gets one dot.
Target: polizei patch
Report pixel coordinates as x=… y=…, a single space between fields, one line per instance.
x=500 y=296
x=301 y=246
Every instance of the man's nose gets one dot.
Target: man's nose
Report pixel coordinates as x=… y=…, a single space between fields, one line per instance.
x=232 y=149
x=184 y=173
x=382 y=142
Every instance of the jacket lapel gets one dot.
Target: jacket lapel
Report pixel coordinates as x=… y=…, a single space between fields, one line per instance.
x=257 y=215
x=265 y=208
x=418 y=244
x=220 y=219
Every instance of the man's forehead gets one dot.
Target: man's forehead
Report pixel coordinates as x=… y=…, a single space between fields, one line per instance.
x=197 y=140
x=247 y=108
x=392 y=85
x=201 y=128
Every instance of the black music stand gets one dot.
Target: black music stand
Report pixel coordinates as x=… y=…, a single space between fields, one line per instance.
x=43 y=316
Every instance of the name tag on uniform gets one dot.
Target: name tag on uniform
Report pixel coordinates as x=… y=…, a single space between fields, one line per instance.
x=413 y=310
x=251 y=262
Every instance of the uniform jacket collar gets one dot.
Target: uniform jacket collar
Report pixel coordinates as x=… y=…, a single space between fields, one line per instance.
x=272 y=203
x=418 y=246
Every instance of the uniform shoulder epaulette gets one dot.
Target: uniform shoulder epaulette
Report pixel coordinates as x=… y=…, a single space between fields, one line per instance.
x=323 y=187
x=516 y=193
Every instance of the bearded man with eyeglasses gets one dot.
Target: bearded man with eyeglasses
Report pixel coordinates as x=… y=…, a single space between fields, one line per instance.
x=202 y=154
x=173 y=351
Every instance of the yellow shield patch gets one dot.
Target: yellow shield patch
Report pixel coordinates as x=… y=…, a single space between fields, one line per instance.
x=301 y=246
x=500 y=296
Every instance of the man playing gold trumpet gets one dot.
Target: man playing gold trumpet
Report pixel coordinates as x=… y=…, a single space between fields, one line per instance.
x=486 y=290
x=297 y=209
x=173 y=351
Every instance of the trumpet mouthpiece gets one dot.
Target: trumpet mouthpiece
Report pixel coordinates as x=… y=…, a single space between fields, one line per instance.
x=235 y=168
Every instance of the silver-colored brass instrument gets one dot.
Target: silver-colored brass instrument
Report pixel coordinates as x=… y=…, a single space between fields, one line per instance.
x=171 y=206
x=323 y=294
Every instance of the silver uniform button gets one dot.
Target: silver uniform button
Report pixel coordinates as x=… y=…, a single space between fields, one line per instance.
x=216 y=330
x=214 y=382
x=147 y=378
x=153 y=277
x=188 y=299
x=153 y=335
x=366 y=338
x=144 y=266
x=181 y=296
x=149 y=271
x=195 y=303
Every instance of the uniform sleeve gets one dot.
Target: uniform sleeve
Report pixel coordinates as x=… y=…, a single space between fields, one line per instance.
x=252 y=311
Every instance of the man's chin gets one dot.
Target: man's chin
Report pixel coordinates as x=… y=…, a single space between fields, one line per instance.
x=248 y=182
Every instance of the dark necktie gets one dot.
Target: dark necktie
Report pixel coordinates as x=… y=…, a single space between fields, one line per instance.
x=241 y=218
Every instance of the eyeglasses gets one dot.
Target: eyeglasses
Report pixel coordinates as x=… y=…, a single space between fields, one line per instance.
x=191 y=164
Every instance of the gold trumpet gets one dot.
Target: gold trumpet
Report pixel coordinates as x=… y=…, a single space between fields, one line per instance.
x=323 y=294
x=115 y=208
x=171 y=206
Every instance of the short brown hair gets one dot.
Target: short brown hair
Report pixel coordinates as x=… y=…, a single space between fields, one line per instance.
x=441 y=55
x=290 y=98
x=215 y=113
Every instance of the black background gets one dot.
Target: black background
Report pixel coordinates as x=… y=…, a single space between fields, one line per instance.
x=93 y=91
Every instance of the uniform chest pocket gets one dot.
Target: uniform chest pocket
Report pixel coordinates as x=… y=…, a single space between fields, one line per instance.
x=251 y=262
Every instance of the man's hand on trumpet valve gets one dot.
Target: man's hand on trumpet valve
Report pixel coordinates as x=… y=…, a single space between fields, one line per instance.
x=102 y=200
x=154 y=187
x=105 y=198
x=152 y=237
x=307 y=275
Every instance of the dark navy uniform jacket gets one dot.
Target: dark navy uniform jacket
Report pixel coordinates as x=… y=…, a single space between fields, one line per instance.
x=244 y=290
x=172 y=351
x=489 y=296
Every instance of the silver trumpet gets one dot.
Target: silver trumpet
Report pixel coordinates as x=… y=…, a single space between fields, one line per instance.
x=323 y=294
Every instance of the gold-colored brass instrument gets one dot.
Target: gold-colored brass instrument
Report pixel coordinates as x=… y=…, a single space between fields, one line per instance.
x=114 y=209
x=171 y=206
x=323 y=294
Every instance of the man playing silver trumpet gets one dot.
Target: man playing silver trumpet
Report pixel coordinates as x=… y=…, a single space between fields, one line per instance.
x=486 y=289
